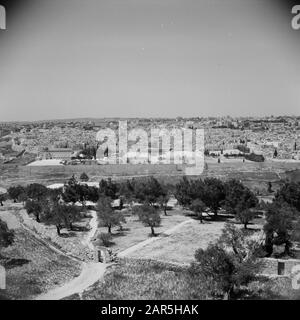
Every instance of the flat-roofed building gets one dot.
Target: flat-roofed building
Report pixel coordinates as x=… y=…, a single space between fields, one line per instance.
x=58 y=153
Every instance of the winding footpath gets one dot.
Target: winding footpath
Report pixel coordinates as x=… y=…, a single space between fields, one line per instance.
x=92 y=232
x=90 y=274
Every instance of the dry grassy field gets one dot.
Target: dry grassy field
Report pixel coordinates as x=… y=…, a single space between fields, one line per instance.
x=180 y=246
x=134 y=280
x=33 y=268
x=134 y=231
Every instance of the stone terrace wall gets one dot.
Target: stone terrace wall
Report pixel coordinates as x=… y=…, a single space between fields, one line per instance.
x=270 y=266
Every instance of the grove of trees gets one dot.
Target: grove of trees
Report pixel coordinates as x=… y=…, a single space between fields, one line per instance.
x=231 y=196
x=148 y=199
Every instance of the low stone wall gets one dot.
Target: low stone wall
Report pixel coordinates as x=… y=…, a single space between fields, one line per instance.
x=269 y=265
x=272 y=266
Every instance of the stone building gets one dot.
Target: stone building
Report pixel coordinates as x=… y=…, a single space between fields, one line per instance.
x=58 y=153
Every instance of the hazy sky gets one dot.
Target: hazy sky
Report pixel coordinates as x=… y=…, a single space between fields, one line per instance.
x=148 y=58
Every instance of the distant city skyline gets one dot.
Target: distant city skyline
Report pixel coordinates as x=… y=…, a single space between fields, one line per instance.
x=65 y=59
x=95 y=119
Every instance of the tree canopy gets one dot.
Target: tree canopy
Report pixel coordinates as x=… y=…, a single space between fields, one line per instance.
x=36 y=191
x=107 y=216
x=149 y=216
x=15 y=192
x=229 y=263
x=279 y=226
x=289 y=193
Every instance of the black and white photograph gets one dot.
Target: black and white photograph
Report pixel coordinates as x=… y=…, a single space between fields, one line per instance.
x=149 y=152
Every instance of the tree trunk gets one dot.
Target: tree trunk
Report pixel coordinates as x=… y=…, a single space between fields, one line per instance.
x=109 y=229
x=37 y=217
x=287 y=248
x=245 y=225
x=215 y=213
x=58 y=230
x=269 y=245
x=228 y=293
x=71 y=226
x=152 y=231
x=226 y=296
x=201 y=218
x=165 y=210
x=1 y=204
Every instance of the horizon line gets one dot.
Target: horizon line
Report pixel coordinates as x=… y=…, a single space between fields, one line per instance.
x=157 y=117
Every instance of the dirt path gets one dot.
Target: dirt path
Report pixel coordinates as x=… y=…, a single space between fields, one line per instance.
x=91 y=273
x=168 y=232
x=92 y=232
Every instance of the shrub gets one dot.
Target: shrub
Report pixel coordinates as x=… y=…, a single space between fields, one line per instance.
x=84 y=177
x=105 y=239
x=255 y=157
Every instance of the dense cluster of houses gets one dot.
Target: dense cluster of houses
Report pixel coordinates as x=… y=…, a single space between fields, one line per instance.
x=271 y=137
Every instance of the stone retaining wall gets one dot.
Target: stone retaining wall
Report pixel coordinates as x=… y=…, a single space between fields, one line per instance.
x=272 y=266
